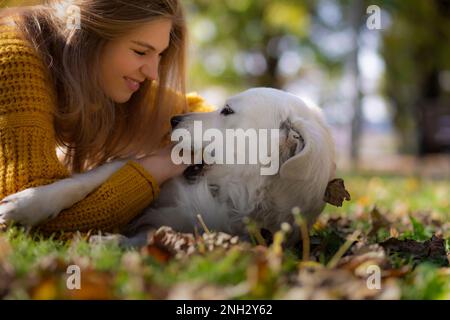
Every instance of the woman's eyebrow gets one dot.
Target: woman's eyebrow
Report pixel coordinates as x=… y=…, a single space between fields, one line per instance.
x=146 y=45
x=143 y=44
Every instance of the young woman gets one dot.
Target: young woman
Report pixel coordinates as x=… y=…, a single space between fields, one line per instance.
x=101 y=80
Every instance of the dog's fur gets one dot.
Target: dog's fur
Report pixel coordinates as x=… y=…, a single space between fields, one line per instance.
x=222 y=194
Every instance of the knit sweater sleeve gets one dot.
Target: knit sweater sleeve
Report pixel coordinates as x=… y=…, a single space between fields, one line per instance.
x=27 y=147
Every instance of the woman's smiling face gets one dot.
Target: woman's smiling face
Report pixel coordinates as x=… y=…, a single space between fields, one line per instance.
x=129 y=60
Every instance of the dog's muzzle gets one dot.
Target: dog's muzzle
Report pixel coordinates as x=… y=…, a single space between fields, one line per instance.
x=191 y=172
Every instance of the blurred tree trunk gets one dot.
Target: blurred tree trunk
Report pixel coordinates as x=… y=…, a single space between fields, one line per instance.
x=416 y=50
x=270 y=78
x=356 y=13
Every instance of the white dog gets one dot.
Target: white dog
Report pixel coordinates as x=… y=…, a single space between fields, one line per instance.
x=223 y=194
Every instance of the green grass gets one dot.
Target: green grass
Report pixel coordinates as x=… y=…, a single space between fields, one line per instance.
x=32 y=267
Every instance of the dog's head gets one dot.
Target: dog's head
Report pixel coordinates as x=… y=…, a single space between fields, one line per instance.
x=306 y=149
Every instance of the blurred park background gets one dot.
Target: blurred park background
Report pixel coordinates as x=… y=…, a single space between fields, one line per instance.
x=380 y=70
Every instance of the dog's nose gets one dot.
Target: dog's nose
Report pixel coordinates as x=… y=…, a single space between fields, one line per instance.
x=174 y=121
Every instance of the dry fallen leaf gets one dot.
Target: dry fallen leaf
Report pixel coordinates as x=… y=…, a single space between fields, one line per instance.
x=165 y=243
x=197 y=290
x=433 y=248
x=6 y=276
x=394 y=232
x=336 y=193
x=378 y=222
x=323 y=283
x=46 y=289
x=95 y=285
x=5 y=248
x=362 y=254
x=160 y=254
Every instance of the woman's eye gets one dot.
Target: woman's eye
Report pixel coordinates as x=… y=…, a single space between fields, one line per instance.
x=227 y=110
x=139 y=52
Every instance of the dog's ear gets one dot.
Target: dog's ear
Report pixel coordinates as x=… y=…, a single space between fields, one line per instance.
x=313 y=161
x=299 y=143
x=294 y=141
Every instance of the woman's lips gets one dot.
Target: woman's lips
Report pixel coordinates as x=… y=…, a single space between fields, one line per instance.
x=132 y=84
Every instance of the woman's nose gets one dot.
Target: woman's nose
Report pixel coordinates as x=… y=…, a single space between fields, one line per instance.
x=150 y=71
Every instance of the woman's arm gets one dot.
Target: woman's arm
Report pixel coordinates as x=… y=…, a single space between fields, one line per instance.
x=27 y=148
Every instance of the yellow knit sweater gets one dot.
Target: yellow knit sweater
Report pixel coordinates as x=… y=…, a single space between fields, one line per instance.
x=27 y=146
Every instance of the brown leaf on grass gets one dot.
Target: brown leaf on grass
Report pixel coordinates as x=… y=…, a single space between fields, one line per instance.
x=5 y=248
x=6 y=276
x=394 y=232
x=46 y=289
x=336 y=193
x=341 y=225
x=436 y=246
x=160 y=254
x=6 y=269
x=165 y=243
x=378 y=222
x=49 y=281
x=364 y=256
x=197 y=290
x=324 y=283
x=433 y=248
x=94 y=285
x=396 y=273
x=44 y=282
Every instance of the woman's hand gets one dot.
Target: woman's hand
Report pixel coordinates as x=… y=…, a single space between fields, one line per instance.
x=160 y=165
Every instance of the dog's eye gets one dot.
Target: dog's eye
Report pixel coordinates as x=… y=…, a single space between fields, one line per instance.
x=227 y=110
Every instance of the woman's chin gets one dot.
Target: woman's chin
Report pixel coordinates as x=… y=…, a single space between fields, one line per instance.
x=123 y=98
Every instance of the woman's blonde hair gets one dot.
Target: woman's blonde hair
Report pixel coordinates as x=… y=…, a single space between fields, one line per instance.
x=90 y=126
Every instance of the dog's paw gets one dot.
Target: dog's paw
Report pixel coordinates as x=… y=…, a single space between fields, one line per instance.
x=28 y=207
